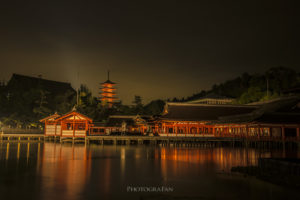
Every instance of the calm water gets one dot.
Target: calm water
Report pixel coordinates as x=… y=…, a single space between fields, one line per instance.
x=54 y=171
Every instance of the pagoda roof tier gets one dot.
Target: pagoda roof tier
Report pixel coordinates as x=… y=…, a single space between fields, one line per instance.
x=108 y=98
x=108 y=88
x=108 y=82
x=107 y=91
x=103 y=94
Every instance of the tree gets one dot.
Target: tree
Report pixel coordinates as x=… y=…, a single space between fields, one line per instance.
x=41 y=104
x=253 y=94
x=65 y=102
x=138 y=108
x=154 y=107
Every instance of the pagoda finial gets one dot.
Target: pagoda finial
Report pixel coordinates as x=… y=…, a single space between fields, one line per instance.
x=108 y=75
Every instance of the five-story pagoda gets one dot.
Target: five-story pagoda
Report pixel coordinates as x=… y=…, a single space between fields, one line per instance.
x=108 y=94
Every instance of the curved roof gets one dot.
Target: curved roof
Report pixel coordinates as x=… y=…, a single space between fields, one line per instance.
x=74 y=113
x=109 y=82
x=200 y=112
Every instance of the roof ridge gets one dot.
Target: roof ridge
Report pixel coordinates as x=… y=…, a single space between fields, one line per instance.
x=122 y=116
x=211 y=105
x=32 y=77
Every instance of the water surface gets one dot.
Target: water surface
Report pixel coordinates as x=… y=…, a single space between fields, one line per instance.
x=54 y=171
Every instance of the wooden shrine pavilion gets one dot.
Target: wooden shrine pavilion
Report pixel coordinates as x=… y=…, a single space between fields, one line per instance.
x=52 y=127
x=182 y=119
x=278 y=120
x=72 y=124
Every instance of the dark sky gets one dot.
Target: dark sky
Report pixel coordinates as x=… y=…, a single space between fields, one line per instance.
x=156 y=49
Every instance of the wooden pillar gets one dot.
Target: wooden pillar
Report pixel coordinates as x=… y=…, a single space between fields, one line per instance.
x=167 y=130
x=89 y=129
x=45 y=127
x=86 y=127
x=74 y=126
x=298 y=133
x=61 y=127
x=282 y=133
x=55 y=128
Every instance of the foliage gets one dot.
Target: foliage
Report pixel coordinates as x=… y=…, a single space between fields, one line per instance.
x=23 y=108
x=19 y=108
x=250 y=88
x=154 y=107
x=138 y=106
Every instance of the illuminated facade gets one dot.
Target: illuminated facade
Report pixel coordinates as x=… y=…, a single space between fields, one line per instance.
x=275 y=121
x=108 y=92
x=72 y=124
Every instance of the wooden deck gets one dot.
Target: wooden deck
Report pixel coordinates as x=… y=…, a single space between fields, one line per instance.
x=22 y=137
x=156 y=140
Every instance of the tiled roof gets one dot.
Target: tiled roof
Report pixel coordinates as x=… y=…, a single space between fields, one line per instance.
x=200 y=112
x=278 y=118
x=285 y=110
x=108 y=81
x=27 y=82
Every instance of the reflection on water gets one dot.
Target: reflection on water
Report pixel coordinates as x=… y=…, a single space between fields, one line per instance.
x=66 y=171
x=66 y=167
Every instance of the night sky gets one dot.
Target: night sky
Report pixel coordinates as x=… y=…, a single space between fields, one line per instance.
x=156 y=49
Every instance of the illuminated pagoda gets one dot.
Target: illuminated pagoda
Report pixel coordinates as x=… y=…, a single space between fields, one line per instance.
x=108 y=94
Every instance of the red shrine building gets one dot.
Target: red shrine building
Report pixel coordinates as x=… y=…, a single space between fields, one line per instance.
x=72 y=124
x=277 y=120
x=52 y=127
x=108 y=92
x=194 y=120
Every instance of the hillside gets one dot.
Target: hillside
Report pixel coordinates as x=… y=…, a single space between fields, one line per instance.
x=251 y=88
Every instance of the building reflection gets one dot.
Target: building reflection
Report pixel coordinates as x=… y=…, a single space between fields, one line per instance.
x=66 y=171
x=67 y=167
x=220 y=159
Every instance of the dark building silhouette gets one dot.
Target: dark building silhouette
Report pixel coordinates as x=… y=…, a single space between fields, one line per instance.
x=20 y=86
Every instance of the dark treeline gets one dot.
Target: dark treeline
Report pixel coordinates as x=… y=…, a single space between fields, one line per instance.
x=25 y=100
x=251 y=88
x=99 y=111
x=23 y=108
